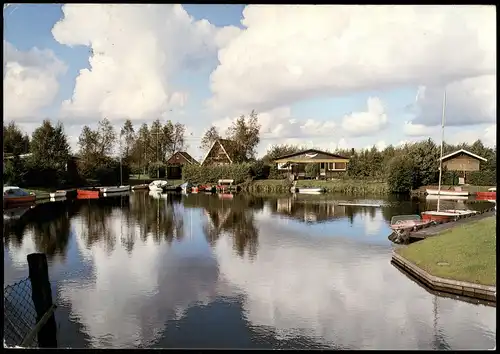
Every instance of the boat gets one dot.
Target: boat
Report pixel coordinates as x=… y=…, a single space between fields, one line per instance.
x=186 y=187
x=158 y=186
x=226 y=185
x=115 y=194
x=490 y=194
x=87 y=193
x=16 y=213
x=445 y=197
x=408 y=222
x=454 y=193
x=445 y=215
x=119 y=189
x=58 y=199
x=13 y=195
x=140 y=186
x=310 y=190
x=361 y=205
x=207 y=189
x=58 y=194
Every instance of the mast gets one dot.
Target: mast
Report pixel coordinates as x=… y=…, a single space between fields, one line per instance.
x=121 y=173
x=442 y=142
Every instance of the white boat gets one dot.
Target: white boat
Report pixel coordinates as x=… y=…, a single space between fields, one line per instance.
x=156 y=194
x=446 y=197
x=447 y=192
x=158 y=185
x=310 y=190
x=119 y=189
x=58 y=194
x=116 y=194
x=494 y=189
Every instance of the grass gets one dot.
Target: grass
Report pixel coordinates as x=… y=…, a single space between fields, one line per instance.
x=466 y=253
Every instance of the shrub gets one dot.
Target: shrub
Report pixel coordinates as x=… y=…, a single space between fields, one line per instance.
x=401 y=174
x=211 y=174
x=259 y=170
x=312 y=170
x=153 y=170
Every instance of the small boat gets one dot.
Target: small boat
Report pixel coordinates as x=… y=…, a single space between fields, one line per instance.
x=13 y=195
x=140 y=186
x=446 y=215
x=186 y=187
x=158 y=185
x=195 y=189
x=454 y=193
x=58 y=194
x=88 y=193
x=361 y=205
x=445 y=197
x=119 y=189
x=207 y=189
x=408 y=222
x=310 y=190
x=15 y=213
x=491 y=194
x=115 y=194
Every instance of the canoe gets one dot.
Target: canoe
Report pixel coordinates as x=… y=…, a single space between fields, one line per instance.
x=13 y=195
x=119 y=189
x=87 y=193
x=310 y=190
x=446 y=192
x=139 y=186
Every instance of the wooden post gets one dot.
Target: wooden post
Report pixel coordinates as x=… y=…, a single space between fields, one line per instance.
x=42 y=298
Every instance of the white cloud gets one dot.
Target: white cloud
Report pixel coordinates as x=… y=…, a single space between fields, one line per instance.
x=136 y=51
x=411 y=129
x=30 y=82
x=366 y=123
x=490 y=136
x=469 y=101
x=288 y=53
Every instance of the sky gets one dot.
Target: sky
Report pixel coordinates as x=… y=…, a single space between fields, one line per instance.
x=322 y=76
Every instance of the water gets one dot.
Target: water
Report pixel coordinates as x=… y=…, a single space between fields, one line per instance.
x=202 y=272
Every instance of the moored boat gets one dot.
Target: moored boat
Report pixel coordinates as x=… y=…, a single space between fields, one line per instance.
x=118 y=189
x=58 y=194
x=158 y=185
x=309 y=190
x=13 y=195
x=87 y=193
x=446 y=192
x=445 y=197
x=140 y=186
x=446 y=215
x=490 y=195
x=408 y=222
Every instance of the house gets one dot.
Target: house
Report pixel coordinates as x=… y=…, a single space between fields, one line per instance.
x=222 y=152
x=330 y=165
x=176 y=162
x=462 y=161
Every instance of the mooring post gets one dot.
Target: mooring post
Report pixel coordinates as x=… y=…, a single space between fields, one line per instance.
x=42 y=298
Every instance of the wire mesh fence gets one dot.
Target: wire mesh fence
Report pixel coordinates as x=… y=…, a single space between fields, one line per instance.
x=19 y=314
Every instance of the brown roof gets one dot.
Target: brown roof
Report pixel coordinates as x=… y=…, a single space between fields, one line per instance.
x=230 y=146
x=311 y=150
x=188 y=157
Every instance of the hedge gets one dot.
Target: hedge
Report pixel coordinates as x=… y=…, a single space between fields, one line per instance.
x=211 y=174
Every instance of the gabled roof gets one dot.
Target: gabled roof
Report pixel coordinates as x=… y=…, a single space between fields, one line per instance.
x=311 y=151
x=462 y=151
x=186 y=156
x=228 y=146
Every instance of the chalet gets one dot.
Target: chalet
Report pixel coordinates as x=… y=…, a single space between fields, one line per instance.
x=462 y=161
x=222 y=152
x=330 y=165
x=176 y=162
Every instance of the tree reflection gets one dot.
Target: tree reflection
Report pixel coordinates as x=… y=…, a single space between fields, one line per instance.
x=49 y=224
x=234 y=217
x=310 y=210
x=95 y=224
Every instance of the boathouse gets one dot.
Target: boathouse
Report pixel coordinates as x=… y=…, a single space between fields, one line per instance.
x=329 y=165
x=222 y=152
x=176 y=162
x=462 y=161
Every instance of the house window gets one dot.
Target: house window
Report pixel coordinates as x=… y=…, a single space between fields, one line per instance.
x=331 y=166
x=322 y=165
x=340 y=165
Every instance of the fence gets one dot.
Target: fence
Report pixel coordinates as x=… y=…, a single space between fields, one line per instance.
x=28 y=309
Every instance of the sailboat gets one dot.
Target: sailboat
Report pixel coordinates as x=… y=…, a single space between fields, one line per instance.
x=443 y=215
x=118 y=189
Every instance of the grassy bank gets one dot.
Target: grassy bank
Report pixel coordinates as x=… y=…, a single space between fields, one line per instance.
x=466 y=253
x=354 y=187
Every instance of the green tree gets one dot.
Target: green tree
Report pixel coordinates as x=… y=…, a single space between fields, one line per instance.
x=14 y=141
x=173 y=138
x=127 y=138
x=400 y=177
x=279 y=150
x=107 y=137
x=312 y=170
x=49 y=147
x=140 y=151
x=210 y=136
x=245 y=133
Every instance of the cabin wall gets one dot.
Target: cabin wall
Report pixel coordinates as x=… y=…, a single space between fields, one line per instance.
x=216 y=157
x=462 y=163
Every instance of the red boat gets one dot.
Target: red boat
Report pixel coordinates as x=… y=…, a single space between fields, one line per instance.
x=13 y=196
x=486 y=195
x=91 y=193
x=446 y=215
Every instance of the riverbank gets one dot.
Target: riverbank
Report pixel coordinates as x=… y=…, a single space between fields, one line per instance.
x=464 y=253
x=355 y=187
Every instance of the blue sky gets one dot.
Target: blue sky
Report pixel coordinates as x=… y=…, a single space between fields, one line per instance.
x=313 y=78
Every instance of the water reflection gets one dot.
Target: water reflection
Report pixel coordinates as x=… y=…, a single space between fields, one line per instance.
x=200 y=271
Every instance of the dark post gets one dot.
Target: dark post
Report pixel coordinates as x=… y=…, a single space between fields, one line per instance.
x=42 y=298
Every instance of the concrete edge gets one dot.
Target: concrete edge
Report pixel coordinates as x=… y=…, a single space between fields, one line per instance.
x=479 y=291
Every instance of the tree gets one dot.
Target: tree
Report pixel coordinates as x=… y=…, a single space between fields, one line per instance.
x=312 y=170
x=49 y=147
x=14 y=141
x=107 y=137
x=210 y=136
x=400 y=177
x=89 y=153
x=127 y=133
x=140 y=149
x=276 y=151
x=245 y=133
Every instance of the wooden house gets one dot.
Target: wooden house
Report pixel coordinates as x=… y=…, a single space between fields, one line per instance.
x=176 y=162
x=330 y=165
x=222 y=152
x=462 y=161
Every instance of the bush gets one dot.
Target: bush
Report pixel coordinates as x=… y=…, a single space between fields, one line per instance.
x=260 y=170
x=481 y=178
x=312 y=170
x=211 y=174
x=153 y=170
x=401 y=174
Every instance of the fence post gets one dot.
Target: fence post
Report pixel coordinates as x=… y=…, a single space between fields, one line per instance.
x=42 y=298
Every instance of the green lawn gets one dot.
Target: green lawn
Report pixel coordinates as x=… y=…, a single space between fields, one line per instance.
x=466 y=253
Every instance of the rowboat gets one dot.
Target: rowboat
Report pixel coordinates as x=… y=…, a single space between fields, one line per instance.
x=446 y=215
x=115 y=194
x=158 y=185
x=309 y=190
x=408 y=222
x=140 y=186
x=446 y=192
x=87 y=193
x=119 y=189
x=58 y=194
x=13 y=195
x=446 y=197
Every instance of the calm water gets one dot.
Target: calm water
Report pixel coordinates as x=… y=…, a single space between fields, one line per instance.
x=199 y=271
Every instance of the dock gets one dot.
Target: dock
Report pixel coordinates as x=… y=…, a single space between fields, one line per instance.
x=361 y=205
x=436 y=229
